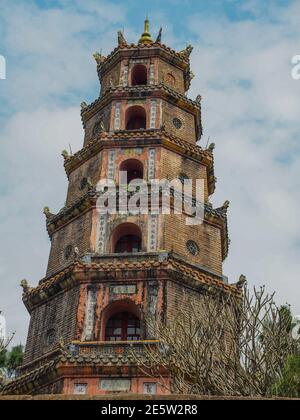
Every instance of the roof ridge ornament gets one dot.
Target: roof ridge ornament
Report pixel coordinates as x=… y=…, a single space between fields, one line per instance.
x=146 y=36
x=121 y=39
x=99 y=58
x=159 y=36
x=187 y=52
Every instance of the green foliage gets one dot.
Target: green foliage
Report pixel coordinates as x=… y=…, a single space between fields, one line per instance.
x=10 y=360
x=2 y=358
x=289 y=385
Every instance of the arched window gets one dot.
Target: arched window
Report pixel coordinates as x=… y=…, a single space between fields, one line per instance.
x=134 y=169
x=127 y=238
x=139 y=75
x=123 y=326
x=136 y=118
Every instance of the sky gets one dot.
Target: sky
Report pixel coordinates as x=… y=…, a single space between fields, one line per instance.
x=251 y=107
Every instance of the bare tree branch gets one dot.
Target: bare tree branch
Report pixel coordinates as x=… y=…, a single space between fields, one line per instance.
x=220 y=345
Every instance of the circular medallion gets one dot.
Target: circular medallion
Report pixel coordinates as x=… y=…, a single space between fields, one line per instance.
x=192 y=247
x=177 y=123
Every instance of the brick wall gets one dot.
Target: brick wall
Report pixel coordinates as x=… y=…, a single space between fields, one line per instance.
x=59 y=315
x=187 y=131
x=89 y=169
x=173 y=165
x=77 y=234
x=112 y=76
x=208 y=238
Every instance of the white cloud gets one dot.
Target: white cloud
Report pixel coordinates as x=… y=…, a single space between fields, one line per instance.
x=34 y=175
x=49 y=52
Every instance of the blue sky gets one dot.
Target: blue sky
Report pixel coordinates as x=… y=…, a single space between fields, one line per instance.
x=242 y=65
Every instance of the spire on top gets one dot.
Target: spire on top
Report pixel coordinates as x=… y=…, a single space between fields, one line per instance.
x=146 y=36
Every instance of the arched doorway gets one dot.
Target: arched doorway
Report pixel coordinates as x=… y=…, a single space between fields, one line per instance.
x=127 y=239
x=134 y=169
x=123 y=326
x=136 y=118
x=139 y=75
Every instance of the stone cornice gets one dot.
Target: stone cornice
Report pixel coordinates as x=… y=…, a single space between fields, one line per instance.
x=63 y=359
x=66 y=214
x=97 y=268
x=87 y=202
x=141 y=92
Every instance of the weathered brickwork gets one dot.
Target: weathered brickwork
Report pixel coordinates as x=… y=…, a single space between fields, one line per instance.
x=171 y=76
x=88 y=172
x=207 y=238
x=76 y=234
x=174 y=166
x=112 y=78
x=92 y=126
x=188 y=130
x=58 y=317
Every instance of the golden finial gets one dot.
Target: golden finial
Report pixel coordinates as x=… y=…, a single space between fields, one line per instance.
x=146 y=36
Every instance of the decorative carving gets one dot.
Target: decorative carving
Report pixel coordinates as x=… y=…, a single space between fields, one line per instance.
x=83 y=105
x=125 y=75
x=187 y=51
x=177 y=123
x=99 y=58
x=102 y=233
x=117 y=123
x=211 y=147
x=198 y=100
x=76 y=253
x=192 y=247
x=153 y=113
x=152 y=74
x=68 y=252
x=159 y=36
x=47 y=213
x=65 y=154
x=25 y=286
x=151 y=164
x=61 y=343
x=123 y=289
x=90 y=184
x=242 y=281
x=111 y=164
x=226 y=205
x=192 y=76
x=152 y=298
x=121 y=39
x=88 y=331
x=152 y=232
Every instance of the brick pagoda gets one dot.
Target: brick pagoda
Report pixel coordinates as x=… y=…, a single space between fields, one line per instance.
x=107 y=272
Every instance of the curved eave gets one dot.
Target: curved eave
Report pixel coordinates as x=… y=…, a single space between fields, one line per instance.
x=136 y=92
x=166 y=265
x=146 y=138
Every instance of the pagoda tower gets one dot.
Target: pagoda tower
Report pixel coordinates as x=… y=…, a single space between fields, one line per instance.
x=106 y=272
